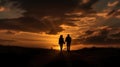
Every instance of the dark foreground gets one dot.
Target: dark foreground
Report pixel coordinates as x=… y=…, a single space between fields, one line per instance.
x=88 y=57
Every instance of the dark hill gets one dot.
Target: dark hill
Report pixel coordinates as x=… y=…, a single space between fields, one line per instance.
x=13 y=56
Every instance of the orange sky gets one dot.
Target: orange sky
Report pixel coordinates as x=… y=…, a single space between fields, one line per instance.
x=40 y=23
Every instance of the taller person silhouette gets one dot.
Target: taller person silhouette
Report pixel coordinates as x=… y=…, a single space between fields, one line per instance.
x=61 y=42
x=68 y=42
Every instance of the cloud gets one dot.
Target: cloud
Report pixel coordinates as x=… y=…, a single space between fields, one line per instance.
x=5 y=40
x=42 y=8
x=99 y=36
x=112 y=4
x=59 y=8
x=41 y=15
x=112 y=22
x=85 y=1
x=103 y=27
x=116 y=35
x=87 y=4
x=2 y=9
x=26 y=39
x=8 y=32
x=85 y=7
x=86 y=15
x=28 y=24
x=11 y=10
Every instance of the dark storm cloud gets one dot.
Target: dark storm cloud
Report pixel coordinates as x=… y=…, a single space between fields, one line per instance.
x=10 y=10
x=47 y=15
x=42 y=8
x=85 y=8
x=28 y=24
x=111 y=12
x=8 y=32
x=48 y=7
x=112 y=22
x=88 y=5
x=116 y=35
x=100 y=36
x=70 y=23
x=33 y=20
x=109 y=35
x=5 y=40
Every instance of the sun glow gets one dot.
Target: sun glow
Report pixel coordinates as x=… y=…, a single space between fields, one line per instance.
x=57 y=47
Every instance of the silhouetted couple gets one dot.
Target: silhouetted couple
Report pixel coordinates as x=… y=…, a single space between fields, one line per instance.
x=67 y=41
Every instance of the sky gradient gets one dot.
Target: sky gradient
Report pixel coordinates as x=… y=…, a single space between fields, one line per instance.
x=38 y=23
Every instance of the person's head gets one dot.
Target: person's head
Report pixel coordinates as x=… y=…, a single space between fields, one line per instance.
x=61 y=36
x=68 y=35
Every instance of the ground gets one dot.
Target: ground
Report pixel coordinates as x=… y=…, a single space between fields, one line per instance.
x=35 y=57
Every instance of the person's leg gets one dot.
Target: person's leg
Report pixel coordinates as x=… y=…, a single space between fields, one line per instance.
x=68 y=47
x=61 y=46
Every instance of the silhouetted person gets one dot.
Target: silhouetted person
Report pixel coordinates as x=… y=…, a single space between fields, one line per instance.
x=68 y=42
x=61 y=42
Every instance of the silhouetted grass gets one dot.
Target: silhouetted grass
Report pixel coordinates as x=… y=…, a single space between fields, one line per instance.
x=13 y=56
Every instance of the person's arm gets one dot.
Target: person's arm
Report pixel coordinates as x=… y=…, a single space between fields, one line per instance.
x=65 y=39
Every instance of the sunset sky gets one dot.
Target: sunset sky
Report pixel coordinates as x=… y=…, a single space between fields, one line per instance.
x=39 y=23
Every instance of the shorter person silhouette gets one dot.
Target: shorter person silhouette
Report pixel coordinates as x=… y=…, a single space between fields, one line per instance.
x=68 y=42
x=61 y=42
